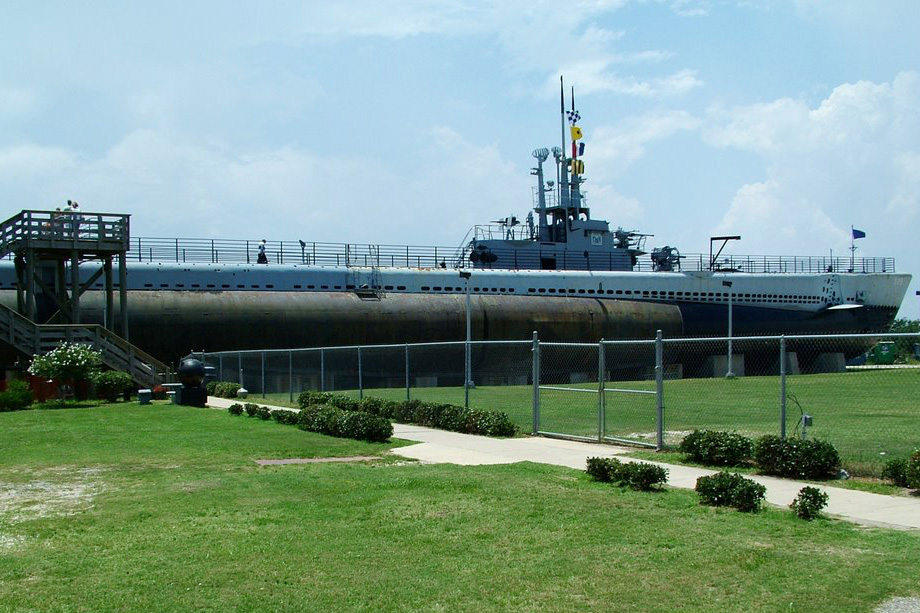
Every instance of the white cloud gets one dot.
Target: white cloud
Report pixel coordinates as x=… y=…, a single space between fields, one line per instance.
x=691 y=8
x=176 y=187
x=905 y=203
x=626 y=210
x=854 y=159
x=616 y=147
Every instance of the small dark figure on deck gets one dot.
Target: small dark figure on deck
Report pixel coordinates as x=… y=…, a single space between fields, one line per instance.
x=262 y=259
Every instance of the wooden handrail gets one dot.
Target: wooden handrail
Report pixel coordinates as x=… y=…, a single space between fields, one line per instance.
x=116 y=351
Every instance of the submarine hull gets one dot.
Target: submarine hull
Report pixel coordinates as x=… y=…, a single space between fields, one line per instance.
x=170 y=324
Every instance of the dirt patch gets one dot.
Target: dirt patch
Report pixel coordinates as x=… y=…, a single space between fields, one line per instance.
x=356 y=458
x=9 y=542
x=53 y=492
x=40 y=499
x=899 y=605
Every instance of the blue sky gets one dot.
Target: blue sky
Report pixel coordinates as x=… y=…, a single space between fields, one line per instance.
x=410 y=121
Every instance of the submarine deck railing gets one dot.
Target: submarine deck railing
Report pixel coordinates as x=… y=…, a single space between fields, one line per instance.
x=237 y=251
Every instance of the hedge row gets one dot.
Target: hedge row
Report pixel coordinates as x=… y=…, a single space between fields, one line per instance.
x=324 y=419
x=789 y=457
x=797 y=458
x=222 y=389
x=329 y=420
x=442 y=416
x=637 y=475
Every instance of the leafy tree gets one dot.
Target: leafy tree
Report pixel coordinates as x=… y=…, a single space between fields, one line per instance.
x=904 y=347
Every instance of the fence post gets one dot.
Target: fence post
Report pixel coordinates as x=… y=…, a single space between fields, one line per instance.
x=466 y=373
x=659 y=391
x=220 y=367
x=536 y=383
x=601 y=396
x=263 y=374
x=360 y=377
x=407 y=373
x=291 y=376
x=322 y=370
x=239 y=363
x=782 y=386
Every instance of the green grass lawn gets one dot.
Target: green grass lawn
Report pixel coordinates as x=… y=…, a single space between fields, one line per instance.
x=161 y=508
x=870 y=415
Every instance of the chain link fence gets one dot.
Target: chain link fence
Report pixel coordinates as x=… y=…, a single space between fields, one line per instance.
x=860 y=392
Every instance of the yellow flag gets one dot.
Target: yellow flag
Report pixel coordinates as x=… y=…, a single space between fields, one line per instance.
x=576 y=133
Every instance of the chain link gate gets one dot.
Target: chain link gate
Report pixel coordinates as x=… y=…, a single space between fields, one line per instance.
x=605 y=392
x=630 y=385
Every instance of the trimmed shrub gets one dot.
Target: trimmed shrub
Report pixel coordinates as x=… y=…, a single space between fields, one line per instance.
x=370 y=404
x=404 y=412
x=896 y=472
x=330 y=420
x=730 y=489
x=310 y=398
x=748 y=496
x=263 y=413
x=637 y=475
x=284 y=417
x=717 y=448
x=912 y=472
x=235 y=409
x=603 y=469
x=252 y=410
x=809 y=502
x=224 y=389
x=345 y=403
x=791 y=457
x=642 y=476
x=489 y=423
x=110 y=384
x=432 y=414
x=18 y=396
x=210 y=386
x=717 y=490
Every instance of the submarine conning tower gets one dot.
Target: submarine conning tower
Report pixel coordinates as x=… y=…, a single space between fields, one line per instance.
x=564 y=237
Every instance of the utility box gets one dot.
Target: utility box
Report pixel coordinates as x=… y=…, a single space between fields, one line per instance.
x=883 y=353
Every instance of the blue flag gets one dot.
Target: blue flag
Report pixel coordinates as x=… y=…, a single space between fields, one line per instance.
x=858 y=233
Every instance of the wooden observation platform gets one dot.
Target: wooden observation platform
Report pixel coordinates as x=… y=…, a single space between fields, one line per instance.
x=51 y=249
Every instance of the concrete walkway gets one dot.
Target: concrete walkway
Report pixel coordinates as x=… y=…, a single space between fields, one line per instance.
x=440 y=446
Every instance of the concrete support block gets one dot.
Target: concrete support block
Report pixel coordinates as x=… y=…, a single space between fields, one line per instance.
x=717 y=365
x=829 y=362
